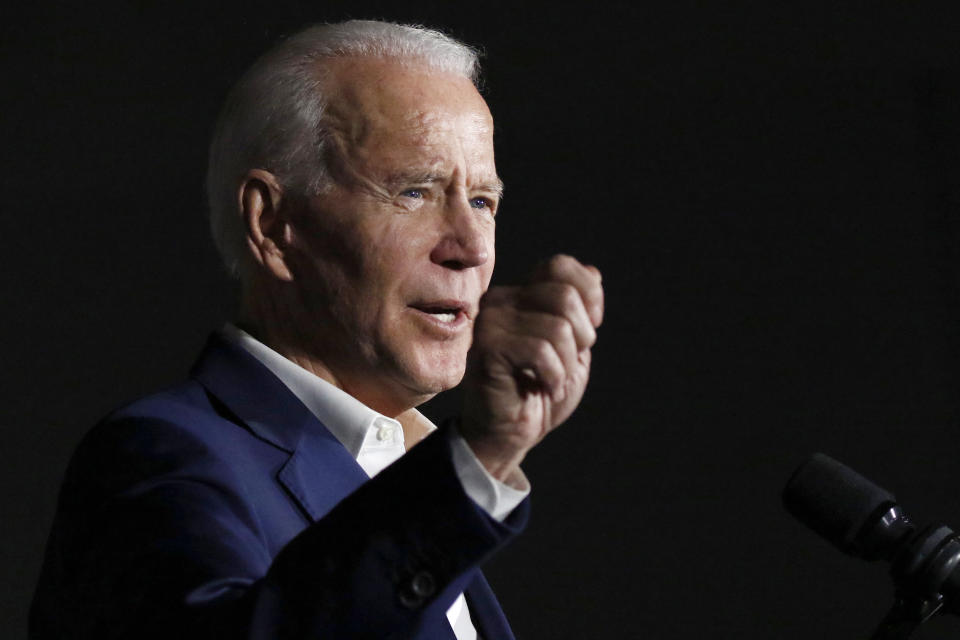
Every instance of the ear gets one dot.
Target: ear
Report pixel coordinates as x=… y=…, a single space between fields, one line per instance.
x=268 y=231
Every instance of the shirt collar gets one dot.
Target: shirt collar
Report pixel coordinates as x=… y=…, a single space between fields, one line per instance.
x=348 y=419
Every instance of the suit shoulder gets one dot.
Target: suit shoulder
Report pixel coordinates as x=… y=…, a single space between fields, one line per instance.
x=185 y=413
x=179 y=431
x=184 y=402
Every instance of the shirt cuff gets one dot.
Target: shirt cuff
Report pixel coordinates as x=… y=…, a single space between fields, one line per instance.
x=494 y=497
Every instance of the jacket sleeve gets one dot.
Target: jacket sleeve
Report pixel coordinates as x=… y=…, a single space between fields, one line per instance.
x=157 y=547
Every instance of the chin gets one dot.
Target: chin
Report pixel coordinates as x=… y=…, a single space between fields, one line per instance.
x=435 y=381
x=435 y=374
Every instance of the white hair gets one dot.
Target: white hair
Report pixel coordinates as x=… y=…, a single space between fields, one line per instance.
x=273 y=117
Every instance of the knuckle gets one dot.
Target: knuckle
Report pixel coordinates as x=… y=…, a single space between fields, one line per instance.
x=585 y=357
x=561 y=264
x=542 y=351
x=559 y=331
x=568 y=298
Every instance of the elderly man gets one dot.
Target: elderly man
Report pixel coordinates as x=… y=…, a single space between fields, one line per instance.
x=353 y=191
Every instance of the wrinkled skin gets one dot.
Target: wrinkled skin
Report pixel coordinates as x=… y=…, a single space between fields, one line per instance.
x=375 y=285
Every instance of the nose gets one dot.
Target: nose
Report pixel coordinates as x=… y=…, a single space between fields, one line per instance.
x=464 y=242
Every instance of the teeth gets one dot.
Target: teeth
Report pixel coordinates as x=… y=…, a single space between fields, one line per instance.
x=445 y=317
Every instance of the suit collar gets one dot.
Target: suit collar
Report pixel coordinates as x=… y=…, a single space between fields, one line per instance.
x=270 y=411
x=346 y=417
x=252 y=393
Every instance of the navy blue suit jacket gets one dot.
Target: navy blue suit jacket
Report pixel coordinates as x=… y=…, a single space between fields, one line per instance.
x=222 y=508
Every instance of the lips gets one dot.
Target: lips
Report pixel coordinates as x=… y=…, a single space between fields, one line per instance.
x=449 y=312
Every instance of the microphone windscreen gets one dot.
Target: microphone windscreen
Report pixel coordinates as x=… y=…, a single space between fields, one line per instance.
x=834 y=500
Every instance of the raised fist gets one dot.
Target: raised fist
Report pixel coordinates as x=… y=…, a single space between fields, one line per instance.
x=530 y=361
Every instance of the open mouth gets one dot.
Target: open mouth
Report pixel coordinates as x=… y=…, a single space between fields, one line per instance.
x=445 y=312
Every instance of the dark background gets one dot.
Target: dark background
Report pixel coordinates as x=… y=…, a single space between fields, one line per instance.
x=772 y=195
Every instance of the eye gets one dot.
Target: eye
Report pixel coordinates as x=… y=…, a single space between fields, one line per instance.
x=481 y=203
x=412 y=193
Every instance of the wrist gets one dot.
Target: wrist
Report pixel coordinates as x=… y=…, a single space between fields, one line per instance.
x=500 y=456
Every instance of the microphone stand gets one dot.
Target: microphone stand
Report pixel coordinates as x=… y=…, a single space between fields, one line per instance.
x=922 y=571
x=865 y=521
x=907 y=613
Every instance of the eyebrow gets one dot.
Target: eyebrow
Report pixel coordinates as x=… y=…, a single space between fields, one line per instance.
x=496 y=187
x=428 y=177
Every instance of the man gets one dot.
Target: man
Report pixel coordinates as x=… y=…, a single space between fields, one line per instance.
x=353 y=190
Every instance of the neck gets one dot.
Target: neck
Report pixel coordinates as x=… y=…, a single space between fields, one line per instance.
x=292 y=337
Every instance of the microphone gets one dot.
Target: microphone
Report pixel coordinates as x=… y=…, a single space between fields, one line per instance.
x=865 y=521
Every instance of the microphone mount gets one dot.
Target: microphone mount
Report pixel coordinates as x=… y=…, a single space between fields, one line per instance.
x=865 y=521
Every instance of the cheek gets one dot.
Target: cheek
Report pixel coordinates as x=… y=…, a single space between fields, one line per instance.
x=345 y=256
x=388 y=269
x=402 y=247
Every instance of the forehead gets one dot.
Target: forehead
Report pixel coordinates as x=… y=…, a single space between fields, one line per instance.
x=381 y=108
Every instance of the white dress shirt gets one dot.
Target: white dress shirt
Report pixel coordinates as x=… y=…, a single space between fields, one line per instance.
x=375 y=441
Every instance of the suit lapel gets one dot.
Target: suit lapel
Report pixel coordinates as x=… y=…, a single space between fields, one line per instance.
x=319 y=471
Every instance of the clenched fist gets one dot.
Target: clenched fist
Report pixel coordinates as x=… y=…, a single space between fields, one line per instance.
x=529 y=363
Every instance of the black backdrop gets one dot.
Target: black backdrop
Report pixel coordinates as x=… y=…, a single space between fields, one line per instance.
x=771 y=193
